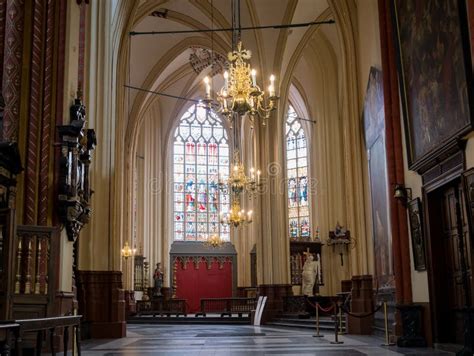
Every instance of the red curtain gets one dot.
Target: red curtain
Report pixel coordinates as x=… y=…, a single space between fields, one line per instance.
x=196 y=282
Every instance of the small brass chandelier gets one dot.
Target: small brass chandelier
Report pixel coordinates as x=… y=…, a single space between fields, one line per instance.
x=214 y=241
x=127 y=251
x=238 y=182
x=236 y=216
x=240 y=93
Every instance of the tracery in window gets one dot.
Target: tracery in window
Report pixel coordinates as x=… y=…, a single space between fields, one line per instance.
x=201 y=155
x=297 y=175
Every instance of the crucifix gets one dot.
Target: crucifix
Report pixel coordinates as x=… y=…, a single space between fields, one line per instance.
x=306 y=253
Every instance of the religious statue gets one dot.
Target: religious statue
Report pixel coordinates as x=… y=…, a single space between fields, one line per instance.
x=339 y=231
x=158 y=276
x=310 y=274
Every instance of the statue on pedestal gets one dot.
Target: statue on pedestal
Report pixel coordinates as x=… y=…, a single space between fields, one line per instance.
x=310 y=274
x=158 y=277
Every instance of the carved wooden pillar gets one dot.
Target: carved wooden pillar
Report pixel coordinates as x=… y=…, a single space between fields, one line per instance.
x=47 y=115
x=395 y=169
x=3 y=12
x=34 y=118
x=12 y=66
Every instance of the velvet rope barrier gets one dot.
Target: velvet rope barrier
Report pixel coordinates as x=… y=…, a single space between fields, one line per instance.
x=363 y=315
x=317 y=305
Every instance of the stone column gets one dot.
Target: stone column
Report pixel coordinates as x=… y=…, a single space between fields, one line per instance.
x=354 y=155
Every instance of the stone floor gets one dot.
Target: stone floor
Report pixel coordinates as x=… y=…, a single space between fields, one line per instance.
x=238 y=340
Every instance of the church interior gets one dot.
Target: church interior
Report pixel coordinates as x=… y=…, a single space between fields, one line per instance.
x=236 y=177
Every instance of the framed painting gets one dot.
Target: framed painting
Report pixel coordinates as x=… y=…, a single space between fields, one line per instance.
x=373 y=118
x=434 y=66
x=416 y=229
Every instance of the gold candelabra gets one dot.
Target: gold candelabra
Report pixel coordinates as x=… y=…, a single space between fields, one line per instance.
x=240 y=93
x=145 y=281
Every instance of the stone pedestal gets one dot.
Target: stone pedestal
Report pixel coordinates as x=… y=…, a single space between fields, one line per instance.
x=412 y=321
x=362 y=303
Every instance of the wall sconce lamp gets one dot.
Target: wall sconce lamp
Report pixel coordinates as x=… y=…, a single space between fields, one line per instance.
x=127 y=251
x=402 y=193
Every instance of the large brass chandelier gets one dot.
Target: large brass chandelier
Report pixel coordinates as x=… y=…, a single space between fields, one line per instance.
x=240 y=96
x=240 y=93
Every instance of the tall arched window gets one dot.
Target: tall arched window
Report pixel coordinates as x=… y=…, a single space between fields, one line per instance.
x=297 y=175
x=201 y=155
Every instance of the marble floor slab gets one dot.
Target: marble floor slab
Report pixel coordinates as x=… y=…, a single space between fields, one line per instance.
x=236 y=340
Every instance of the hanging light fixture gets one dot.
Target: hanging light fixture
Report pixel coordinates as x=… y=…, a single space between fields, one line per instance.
x=127 y=251
x=237 y=216
x=238 y=182
x=240 y=93
x=240 y=96
x=214 y=241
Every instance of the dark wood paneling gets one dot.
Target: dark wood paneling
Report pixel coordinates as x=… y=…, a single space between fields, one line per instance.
x=101 y=302
x=275 y=301
x=446 y=225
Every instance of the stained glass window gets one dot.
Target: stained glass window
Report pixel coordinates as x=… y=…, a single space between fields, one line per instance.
x=297 y=175
x=201 y=155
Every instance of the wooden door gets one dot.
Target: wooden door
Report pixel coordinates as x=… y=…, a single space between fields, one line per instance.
x=451 y=290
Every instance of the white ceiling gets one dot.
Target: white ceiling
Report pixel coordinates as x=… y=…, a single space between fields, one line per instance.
x=161 y=62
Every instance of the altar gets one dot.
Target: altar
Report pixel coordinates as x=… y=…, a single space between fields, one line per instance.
x=198 y=272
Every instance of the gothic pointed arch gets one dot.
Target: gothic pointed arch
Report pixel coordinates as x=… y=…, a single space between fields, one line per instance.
x=200 y=159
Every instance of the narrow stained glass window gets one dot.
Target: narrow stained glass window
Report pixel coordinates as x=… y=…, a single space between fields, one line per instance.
x=297 y=175
x=201 y=154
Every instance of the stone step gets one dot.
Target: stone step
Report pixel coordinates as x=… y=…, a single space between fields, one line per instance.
x=188 y=320
x=312 y=321
x=302 y=322
x=326 y=327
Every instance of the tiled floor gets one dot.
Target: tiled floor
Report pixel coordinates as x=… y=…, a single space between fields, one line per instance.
x=238 y=340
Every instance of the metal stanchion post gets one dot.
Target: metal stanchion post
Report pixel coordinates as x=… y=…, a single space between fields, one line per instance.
x=342 y=330
x=387 y=341
x=336 y=327
x=317 y=322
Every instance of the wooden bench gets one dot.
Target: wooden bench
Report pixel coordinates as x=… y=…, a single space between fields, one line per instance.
x=17 y=329
x=227 y=306
x=161 y=306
